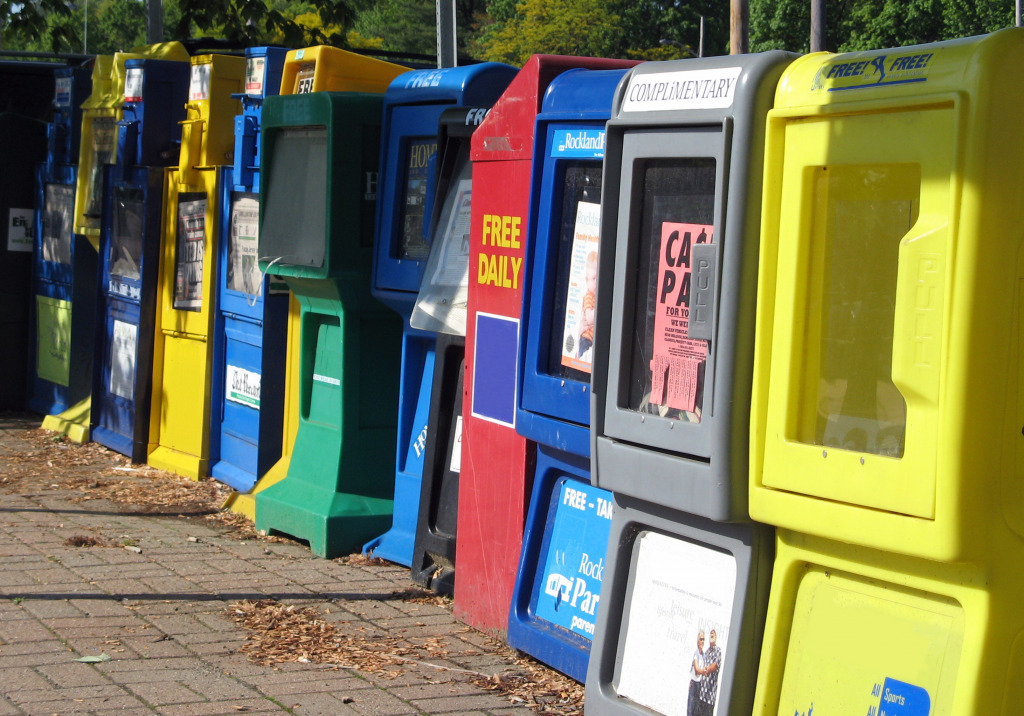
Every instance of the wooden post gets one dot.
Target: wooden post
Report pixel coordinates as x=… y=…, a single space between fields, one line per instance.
x=817 y=25
x=739 y=31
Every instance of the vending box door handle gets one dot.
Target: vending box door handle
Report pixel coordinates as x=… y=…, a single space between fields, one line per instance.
x=191 y=143
x=704 y=258
x=920 y=300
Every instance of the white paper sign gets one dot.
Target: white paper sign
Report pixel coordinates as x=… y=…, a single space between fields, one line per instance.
x=133 y=85
x=255 y=71
x=456 y=464
x=122 y=359
x=684 y=89
x=19 y=230
x=199 y=83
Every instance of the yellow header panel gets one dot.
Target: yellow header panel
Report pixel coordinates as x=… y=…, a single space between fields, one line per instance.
x=887 y=407
x=323 y=68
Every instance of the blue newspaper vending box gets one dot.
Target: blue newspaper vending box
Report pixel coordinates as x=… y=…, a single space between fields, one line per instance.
x=441 y=307
x=413 y=105
x=686 y=574
x=50 y=386
x=558 y=586
x=147 y=141
x=248 y=372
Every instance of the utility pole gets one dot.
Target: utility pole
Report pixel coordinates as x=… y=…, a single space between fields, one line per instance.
x=817 y=25
x=447 y=55
x=155 y=21
x=739 y=30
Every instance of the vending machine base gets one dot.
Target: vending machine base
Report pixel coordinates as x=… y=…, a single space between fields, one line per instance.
x=334 y=494
x=73 y=422
x=334 y=524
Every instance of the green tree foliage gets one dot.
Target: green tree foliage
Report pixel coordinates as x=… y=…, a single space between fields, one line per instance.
x=873 y=24
x=644 y=29
x=411 y=25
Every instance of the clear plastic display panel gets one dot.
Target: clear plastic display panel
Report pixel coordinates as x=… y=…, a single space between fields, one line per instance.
x=661 y=381
x=191 y=251
x=443 y=299
x=294 y=224
x=244 y=273
x=572 y=327
x=125 y=258
x=412 y=244
x=58 y=219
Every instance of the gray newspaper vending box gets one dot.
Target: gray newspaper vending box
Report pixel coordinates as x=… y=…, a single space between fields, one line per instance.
x=687 y=573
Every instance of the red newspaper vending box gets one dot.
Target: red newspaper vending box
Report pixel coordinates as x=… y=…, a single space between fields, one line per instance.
x=497 y=464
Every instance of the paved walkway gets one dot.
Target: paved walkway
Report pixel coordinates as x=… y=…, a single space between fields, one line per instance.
x=163 y=596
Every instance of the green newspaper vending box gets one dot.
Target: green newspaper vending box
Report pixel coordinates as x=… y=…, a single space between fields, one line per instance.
x=318 y=198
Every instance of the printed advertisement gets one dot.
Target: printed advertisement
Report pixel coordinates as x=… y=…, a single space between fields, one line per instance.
x=122 y=359
x=188 y=276
x=570 y=586
x=677 y=363
x=677 y=634
x=58 y=213
x=242 y=386
x=244 y=273
x=453 y=268
x=19 y=229
x=581 y=299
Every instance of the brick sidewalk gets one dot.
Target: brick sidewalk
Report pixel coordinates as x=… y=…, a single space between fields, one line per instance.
x=155 y=598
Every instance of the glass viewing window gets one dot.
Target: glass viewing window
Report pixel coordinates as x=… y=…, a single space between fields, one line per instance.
x=58 y=216
x=578 y=225
x=666 y=373
x=294 y=228
x=860 y=214
x=412 y=243
x=126 y=237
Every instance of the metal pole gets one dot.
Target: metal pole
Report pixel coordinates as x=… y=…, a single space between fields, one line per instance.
x=700 y=42
x=155 y=22
x=446 y=44
x=85 y=30
x=818 y=25
x=1018 y=12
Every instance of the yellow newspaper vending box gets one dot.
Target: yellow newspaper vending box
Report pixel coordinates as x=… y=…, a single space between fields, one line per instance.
x=179 y=432
x=888 y=402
